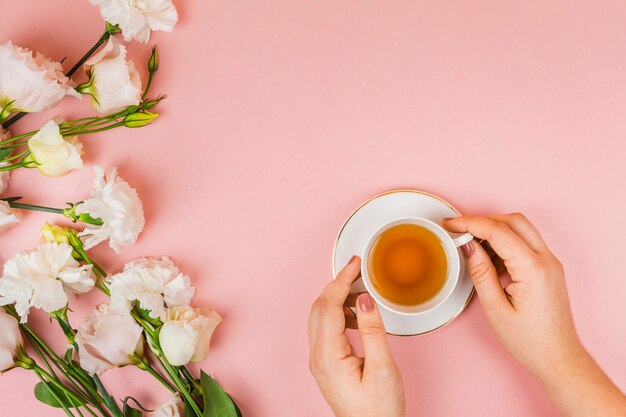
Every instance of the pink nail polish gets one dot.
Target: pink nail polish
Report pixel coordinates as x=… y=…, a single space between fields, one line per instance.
x=468 y=249
x=365 y=302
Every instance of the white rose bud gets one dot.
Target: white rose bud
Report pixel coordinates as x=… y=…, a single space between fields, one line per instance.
x=10 y=340
x=186 y=334
x=53 y=154
x=114 y=82
x=108 y=338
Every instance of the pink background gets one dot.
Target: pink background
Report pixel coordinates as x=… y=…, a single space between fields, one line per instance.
x=283 y=116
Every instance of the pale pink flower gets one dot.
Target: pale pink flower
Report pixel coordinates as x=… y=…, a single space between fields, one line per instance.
x=114 y=82
x=108 y=338
x=8 y=216
x=137 y=18
x=30 y=83
x=10 y=340
x=53 y=154
x=172 y=407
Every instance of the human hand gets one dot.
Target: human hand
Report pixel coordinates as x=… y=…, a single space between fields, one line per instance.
x=353 y=386
x=531 y=316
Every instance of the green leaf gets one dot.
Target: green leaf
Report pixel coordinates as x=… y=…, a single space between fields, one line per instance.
x=46 y=394
x=4 y=152
x=216 y=402
x=130 y=411
x=236 y=407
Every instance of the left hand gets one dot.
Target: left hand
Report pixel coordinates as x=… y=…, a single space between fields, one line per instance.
x=353 y=386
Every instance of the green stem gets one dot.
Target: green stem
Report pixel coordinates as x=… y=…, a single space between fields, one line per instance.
x=11 y=167
x=191 y=379
x=18 y=156
x=105 y=36
x=108 y=399
x=87 y=132
x=23 y=135
x=36 y=208
x=71 y=394
x=56 y=397
x=148 y=85
x=145 y=365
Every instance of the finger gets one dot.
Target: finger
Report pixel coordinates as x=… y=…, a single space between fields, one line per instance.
x=524 y=229
x=508 y=245
x=326 y=321
x=372 y=332
x=485 y=278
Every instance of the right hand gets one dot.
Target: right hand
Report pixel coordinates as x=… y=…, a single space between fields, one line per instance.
x=531 y=316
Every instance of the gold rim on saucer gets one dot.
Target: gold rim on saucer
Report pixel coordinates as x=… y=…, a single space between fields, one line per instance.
x=343 y=226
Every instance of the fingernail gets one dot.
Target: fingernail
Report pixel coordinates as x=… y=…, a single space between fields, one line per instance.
x=351 y=259
x=365 y=302
x=468 y=249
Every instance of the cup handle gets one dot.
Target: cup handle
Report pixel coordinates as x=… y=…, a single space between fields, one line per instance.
x=462 y=240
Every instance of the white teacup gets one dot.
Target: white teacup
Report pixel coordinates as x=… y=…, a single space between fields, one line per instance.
x=450 y=246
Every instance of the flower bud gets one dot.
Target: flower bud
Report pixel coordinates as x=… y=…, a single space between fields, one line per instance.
x=153 y=62
x=186 y=334
x=56 y=234
x=139 y=119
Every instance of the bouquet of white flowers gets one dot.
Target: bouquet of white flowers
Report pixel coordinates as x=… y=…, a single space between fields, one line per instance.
x=148 y=320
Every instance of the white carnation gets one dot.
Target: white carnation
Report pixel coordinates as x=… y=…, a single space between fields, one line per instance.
x=118 y=206
x=43 y=278
x=30 y=83
x=137 y=18
x=154 y=284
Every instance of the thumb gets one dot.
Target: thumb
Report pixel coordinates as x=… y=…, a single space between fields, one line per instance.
x=372 y=332
x=485 y=278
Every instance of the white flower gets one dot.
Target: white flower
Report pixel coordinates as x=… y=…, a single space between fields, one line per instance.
x=137 y=18
x=118 y=206
x=107 y=338
x=7 y=216
x=30 y=84
x=43 y=278
x=4 y=175
x=53 y=154
x=10 y=340
x=154 y=283
x=186 y=334
x=173 y=407
x=114 y=82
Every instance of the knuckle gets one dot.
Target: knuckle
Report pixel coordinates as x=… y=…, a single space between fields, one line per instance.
x=320 y=304
x=502 y=228
x=518 y=217
x=372 y=329
x=479 y=269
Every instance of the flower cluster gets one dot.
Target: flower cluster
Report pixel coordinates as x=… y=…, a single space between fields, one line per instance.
x=148 y=319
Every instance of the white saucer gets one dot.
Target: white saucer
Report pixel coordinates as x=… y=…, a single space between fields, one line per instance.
x=379 y=210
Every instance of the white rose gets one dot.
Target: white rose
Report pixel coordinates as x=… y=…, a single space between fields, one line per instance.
x=30 y=84
x=186 y=334
x=114 y=82
x=118 y=206
x=173 y=407
x=107 y=338
x=43 y=278
x=137 y=18
x=53 y=154
x=10 y=340
x=7 y=216
x=153 y=283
